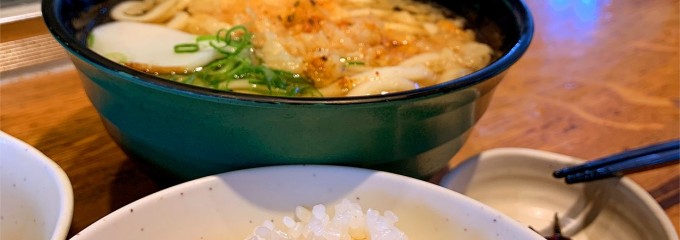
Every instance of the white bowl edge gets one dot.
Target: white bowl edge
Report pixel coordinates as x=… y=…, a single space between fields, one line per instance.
x=63 y=223
x=121 y=213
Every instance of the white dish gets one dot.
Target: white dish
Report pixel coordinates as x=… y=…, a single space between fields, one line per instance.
x=519 y=183
x=36 y=198
x=231 y=205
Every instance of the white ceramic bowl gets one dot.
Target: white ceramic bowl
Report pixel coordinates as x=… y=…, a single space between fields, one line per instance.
x=231 y=205
x=519 y=183
x=36 y=198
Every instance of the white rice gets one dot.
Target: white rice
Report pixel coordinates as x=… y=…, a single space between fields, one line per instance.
x=349 y=222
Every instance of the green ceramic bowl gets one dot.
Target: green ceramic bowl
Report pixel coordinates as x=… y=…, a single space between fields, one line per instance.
x=186 y=132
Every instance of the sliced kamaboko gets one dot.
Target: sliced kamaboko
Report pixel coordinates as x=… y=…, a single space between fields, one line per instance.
x=383 y=86
x=148 y=47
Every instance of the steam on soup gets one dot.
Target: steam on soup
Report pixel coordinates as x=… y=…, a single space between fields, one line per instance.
x=318 y=48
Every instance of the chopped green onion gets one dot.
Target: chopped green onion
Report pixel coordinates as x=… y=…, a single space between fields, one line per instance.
x=205 y=38
x=90 y=40
x=240 y=70
x=186 y=48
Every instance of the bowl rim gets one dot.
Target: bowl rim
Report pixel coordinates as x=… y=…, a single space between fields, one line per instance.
x=520 y=10
x=374 y=176
x=650 y=203
x=65 y=189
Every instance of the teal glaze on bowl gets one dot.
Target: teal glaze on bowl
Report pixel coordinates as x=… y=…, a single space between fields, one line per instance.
x=187 y=132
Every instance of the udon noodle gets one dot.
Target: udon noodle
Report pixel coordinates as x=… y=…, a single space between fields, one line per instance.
x=341 y=48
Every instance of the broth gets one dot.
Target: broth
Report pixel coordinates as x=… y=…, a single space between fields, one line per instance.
x=317 y=48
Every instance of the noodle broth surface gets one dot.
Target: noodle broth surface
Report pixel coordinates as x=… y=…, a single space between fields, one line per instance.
x=344 y=48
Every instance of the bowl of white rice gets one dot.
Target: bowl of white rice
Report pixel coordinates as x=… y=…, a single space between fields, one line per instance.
x=306 y=202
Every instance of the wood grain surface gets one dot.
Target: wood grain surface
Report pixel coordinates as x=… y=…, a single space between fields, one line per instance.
x=601 y=76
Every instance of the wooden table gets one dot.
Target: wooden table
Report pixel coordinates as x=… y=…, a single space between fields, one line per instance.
x=600 y=77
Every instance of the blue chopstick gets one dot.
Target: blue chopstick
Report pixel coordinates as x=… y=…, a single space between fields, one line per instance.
x=636 y=160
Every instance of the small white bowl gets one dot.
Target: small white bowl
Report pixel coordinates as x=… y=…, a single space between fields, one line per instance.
x=36 y=198
x=519 y=183
x=231 y=205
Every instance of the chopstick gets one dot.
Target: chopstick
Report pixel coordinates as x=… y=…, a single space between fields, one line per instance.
x=636 y=160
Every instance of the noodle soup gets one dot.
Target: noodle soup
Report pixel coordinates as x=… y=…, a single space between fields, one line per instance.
x=181 y=131
x=300 y=48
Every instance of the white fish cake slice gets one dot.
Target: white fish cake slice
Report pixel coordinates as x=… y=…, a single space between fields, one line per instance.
x=151 y=45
